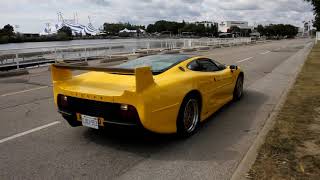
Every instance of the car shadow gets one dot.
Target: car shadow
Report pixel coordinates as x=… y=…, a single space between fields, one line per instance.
x=218 y=137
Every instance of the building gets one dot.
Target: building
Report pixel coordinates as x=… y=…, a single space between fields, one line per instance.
x=225 y=26
x=300 y=32
x=207 y=24
x=131 y=33
x=307 y=28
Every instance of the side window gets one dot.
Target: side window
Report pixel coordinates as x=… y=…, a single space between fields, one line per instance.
x=208 y=65
x=195 y=66
x=204 y=65
x=221 y=66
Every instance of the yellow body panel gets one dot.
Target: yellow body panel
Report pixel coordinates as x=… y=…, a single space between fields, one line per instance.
x=157 y=98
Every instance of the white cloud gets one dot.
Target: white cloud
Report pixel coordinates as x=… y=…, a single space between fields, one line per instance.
x=31 y=15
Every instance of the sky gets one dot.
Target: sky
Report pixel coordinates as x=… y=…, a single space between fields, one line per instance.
x=31 y=15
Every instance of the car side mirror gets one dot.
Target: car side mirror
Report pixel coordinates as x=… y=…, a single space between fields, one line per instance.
x=233 y=67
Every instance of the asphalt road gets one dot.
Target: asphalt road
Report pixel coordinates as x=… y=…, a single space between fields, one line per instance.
x=36 y=143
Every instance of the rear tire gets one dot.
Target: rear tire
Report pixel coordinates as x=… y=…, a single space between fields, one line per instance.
x=238 y=89
x=189 y=117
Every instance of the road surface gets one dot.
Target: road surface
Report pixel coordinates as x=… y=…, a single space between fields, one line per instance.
x=36 y=143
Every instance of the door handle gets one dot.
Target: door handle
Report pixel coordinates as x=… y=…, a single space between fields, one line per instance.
x=218 y=78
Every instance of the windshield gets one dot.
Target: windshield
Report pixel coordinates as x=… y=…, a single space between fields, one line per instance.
x=158 y=63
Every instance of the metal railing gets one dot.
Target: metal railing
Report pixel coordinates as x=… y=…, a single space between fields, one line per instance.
x=16 y=58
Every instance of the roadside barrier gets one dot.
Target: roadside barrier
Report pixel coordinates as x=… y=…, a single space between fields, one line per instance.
x=11 y=59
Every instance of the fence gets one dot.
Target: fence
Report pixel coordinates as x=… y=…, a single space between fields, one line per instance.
x=21 y=58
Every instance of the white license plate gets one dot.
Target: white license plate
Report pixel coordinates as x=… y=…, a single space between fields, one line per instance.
x=89 y=121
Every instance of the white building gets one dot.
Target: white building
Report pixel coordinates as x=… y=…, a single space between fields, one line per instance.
x=226 y=25
x=307 y=28
x=206 y=24
x=133 y=33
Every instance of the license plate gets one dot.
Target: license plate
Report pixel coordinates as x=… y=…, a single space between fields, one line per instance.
x=89 y=121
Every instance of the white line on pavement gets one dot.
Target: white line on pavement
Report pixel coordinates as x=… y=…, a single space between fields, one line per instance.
x=24 y=91
x=265 y=52
x=28 y=132
x=244 y=60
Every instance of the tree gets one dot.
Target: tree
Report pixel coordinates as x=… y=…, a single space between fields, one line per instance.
x=150 y=28
x=114 y=28
x=261 y=30
x=278 y=30
x=7 y=30
x=176 y=28
x=316 y=9
x=66 y=31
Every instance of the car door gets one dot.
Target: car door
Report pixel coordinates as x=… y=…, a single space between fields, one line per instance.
x=225 y=79
x=208 y=82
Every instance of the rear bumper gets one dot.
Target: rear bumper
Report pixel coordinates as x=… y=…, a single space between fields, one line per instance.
x=72 y=108
x=71 y=118
x=150 y=116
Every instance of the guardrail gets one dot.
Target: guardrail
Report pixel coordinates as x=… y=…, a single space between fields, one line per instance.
x=16 y=58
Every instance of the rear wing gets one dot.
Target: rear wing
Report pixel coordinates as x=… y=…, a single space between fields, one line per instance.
x=143 y=75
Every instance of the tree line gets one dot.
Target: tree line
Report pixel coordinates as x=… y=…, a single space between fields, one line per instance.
x=199 y=29
x=178 y=28
x=162 y=26
x=114 y=28
x=278 y=30
x=8 y=35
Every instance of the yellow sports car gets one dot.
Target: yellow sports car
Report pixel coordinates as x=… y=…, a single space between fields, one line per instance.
x=162 y=93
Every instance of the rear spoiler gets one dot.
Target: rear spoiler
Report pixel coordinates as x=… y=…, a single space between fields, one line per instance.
x=143 y=75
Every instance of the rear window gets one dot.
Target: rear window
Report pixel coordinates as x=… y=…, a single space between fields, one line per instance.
x=158 y=63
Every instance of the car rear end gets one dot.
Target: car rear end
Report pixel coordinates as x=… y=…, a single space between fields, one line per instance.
x=101 y=96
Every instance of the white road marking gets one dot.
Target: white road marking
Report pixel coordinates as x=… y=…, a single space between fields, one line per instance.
x=244 y=60
x=24 y=91
x=28 y=132
x=265 y=52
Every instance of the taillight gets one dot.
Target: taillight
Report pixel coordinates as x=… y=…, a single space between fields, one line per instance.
x=128 y=112
x=63 y=101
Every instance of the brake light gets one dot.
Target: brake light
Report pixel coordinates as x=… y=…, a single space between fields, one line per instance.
x=124 y=107
x=63 y=101
x=128 y=112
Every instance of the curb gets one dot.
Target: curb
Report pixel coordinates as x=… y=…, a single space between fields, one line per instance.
x=144 y=55
x=172 y=51
x=113 y=59
x=189 y=49
x=78 y=63
x=249 y=158
x=19 y=72
x=82 y=63
x=203 y=48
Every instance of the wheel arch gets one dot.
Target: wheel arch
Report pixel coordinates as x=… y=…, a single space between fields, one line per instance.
x=191 y=94
x=197 y=94
x=241 y=74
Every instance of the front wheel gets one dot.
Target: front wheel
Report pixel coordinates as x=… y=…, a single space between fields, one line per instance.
x=238 y=90
x=189 y=117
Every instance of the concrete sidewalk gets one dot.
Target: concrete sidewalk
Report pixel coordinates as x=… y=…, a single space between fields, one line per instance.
x=275 y=86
